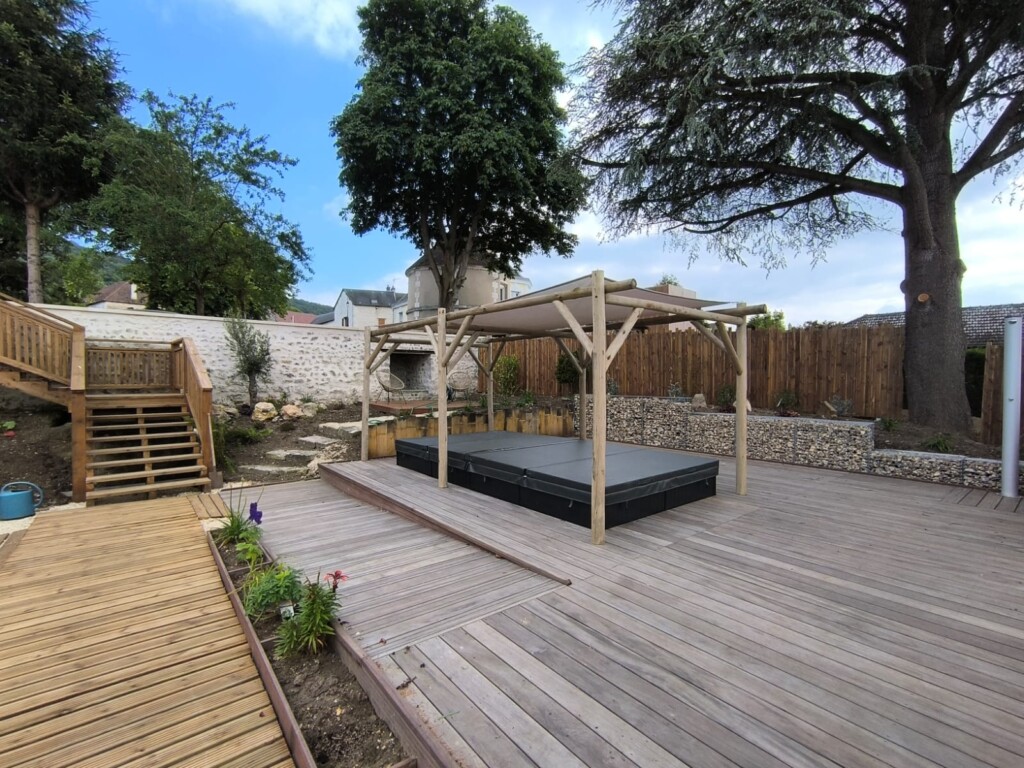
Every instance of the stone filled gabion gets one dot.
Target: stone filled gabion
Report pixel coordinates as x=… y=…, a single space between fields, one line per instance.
x=841 y=445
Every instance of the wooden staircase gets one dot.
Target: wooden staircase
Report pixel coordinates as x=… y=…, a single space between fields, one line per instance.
x=140 y=411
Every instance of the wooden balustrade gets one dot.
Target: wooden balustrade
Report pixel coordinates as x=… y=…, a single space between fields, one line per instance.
x=129 y=365
x=35 y=341
x=188 y=373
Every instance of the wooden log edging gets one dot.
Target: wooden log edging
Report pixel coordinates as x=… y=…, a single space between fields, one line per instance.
x=285 y=717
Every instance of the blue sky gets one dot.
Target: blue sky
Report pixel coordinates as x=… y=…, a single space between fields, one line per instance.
x=289 y=67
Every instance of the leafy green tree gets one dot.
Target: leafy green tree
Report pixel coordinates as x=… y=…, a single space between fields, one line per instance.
x=453 y=141
x=775 y=321
x=763 y=125
x=251 y=350
x=191 y=202
x=57 y=91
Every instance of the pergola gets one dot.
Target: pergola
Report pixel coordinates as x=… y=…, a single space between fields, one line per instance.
x=587 y=310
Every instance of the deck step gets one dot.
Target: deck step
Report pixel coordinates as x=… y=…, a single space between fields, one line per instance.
x=194 y=456
x=108 y=417
x=111 y=402
x=146 y=425
x=131 y=490
x=137 y=436
x=114 y=477
x=140 y=448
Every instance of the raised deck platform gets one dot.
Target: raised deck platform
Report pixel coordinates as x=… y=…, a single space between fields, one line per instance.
x=553 y=475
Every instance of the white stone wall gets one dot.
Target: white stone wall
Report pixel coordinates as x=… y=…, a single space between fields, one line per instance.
x=322 y=362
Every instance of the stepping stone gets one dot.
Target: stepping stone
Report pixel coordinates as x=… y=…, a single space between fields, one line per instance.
x=291 y=453
x=268 y=468
x=319 y=440
x=354 y=427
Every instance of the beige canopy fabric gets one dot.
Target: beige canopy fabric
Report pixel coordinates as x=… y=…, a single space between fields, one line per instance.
x=589 y=309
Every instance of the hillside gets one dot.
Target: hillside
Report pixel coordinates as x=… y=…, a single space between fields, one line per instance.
x=301 y=305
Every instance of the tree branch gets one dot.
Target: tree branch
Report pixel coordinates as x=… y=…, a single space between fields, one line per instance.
x=983 y=156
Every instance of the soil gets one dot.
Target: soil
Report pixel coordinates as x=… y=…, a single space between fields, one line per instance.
x=39 y=451
x=333 y=711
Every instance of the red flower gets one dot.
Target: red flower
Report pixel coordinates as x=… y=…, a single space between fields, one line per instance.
x=335 y=578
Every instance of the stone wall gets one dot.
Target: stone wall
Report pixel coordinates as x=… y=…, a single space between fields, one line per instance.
x=309 y=360
x=842 y=445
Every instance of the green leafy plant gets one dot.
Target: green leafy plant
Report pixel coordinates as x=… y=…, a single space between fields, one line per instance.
x=786 y=403
x=265 y=589
x=526 y=399
x=674 y=390
x=888 y=424
x=220 y=446
x=506 y=375
x=938 y=444
x=308 y=630
x=251 y=350
x=841 y=405
x=612 y=387
x=565 y=370
x=248 y=547
x=5 y=425
x=725 y=398
x=233 y=530
x=237 y=435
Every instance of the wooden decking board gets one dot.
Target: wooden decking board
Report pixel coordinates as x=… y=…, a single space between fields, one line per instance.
x=84 y=681
x=406 y=582
x=825 y=619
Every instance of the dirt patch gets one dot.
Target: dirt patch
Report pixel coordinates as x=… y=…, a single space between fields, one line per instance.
x=336 y=717
x=39 y=451
x=910 y=437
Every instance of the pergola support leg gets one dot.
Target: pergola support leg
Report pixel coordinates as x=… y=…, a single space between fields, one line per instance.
x=364 y=440
x=741 y=406
x=599 y=363
x=442 y=400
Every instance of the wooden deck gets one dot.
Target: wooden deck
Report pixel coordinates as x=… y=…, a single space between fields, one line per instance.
x=407 y=582
x=826 y=619
x=120 y=647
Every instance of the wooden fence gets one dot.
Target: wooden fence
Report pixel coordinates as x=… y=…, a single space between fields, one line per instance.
x=992 y=397
x=864 y=365
x=127 y=365
x=535 y=421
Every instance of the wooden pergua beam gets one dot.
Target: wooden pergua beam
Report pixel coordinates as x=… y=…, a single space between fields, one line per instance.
x=599 y=363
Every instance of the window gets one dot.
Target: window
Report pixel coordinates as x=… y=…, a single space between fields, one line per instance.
x=344 y=321
x=381 y=321
x=501 y=293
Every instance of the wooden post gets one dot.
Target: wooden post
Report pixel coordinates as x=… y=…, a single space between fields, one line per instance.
x=583 y=402
x=741 y=405
x=442 y=399
x=490 y=388
x=599 y=363
x=364 y=445
x=79 y=433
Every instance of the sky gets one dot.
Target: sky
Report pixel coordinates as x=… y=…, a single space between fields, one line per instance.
x=289 y=66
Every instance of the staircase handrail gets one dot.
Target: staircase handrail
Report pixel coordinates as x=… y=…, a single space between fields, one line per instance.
x=37 y=341
x=43 y=315
x=191 y=377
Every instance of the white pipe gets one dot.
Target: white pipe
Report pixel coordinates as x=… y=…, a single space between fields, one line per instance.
x=1011 y=404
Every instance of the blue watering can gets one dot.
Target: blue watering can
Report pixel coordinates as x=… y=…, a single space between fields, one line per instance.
x=19 y=499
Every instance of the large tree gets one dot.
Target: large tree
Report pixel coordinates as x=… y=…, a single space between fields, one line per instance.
x=454 y=141
x=192 y=201
x=57 y=90
x=762 y=123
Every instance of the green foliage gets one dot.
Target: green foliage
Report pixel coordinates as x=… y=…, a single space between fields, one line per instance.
x=773 y=127
x=674 y=390
x=220 y=445
x=819 y=324
x=57 y=93
x=7 y=426
x=842 y=406
x=565 y=370
x=938 y=444
x=668 y=279
x=786 y=402
x=191 y=201
x=506 y=375
x=234 y=530
x=265 y=589
x=239 y=435
x=774 y=321
x=251 y=350
x=888 y=424
x=248 y=546
x=454 y=141
x=526 y=399
x=301 y=305
x=611 y=387
x=725 y=397
x=308 y=630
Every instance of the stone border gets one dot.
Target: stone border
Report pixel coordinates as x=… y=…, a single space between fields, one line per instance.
x=848 y=446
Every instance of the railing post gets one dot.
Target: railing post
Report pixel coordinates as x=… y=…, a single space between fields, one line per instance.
x=79 y=457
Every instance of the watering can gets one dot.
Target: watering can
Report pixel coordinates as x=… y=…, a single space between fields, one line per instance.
x=19 y=499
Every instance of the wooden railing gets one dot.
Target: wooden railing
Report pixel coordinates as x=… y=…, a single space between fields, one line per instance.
x=188 y=373
x=113 y=364
x=35 y=341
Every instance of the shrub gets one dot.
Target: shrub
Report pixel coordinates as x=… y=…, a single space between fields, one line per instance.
x=725 y=397
x=248 y=547
x=565 y=370
x=786 y=403
x=244 y=435
x=251 y=350
x=506 y=375
x=841 y=405
x=888 y=424
x=938 y=444
x=674 y=390
x=308 y=630
x=526 y=399
x=612 y=387
x=268 y=588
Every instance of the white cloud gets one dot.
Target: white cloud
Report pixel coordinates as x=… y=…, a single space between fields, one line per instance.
x=331 y=25
x=332 y=208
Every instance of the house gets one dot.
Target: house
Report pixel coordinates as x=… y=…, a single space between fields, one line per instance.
x=119 y=295
x=358 y=308
x=981 y=324
x=481 y=286
x=299 y=318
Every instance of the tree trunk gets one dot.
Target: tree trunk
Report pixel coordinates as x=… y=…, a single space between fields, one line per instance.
x=33 y=222
x=935 y=340
x=200 y=302
x=253 y=391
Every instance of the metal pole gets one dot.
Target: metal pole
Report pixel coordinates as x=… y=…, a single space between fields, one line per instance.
x=1011 y=404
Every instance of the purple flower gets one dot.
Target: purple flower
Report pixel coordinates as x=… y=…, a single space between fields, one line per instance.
x=254 y=513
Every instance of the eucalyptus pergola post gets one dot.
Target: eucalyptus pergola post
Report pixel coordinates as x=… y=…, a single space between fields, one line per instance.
x=490 y=388
x=583 y=402
x=442 y=398
x=364 y=443
x=599 y=364
x=741 y=405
